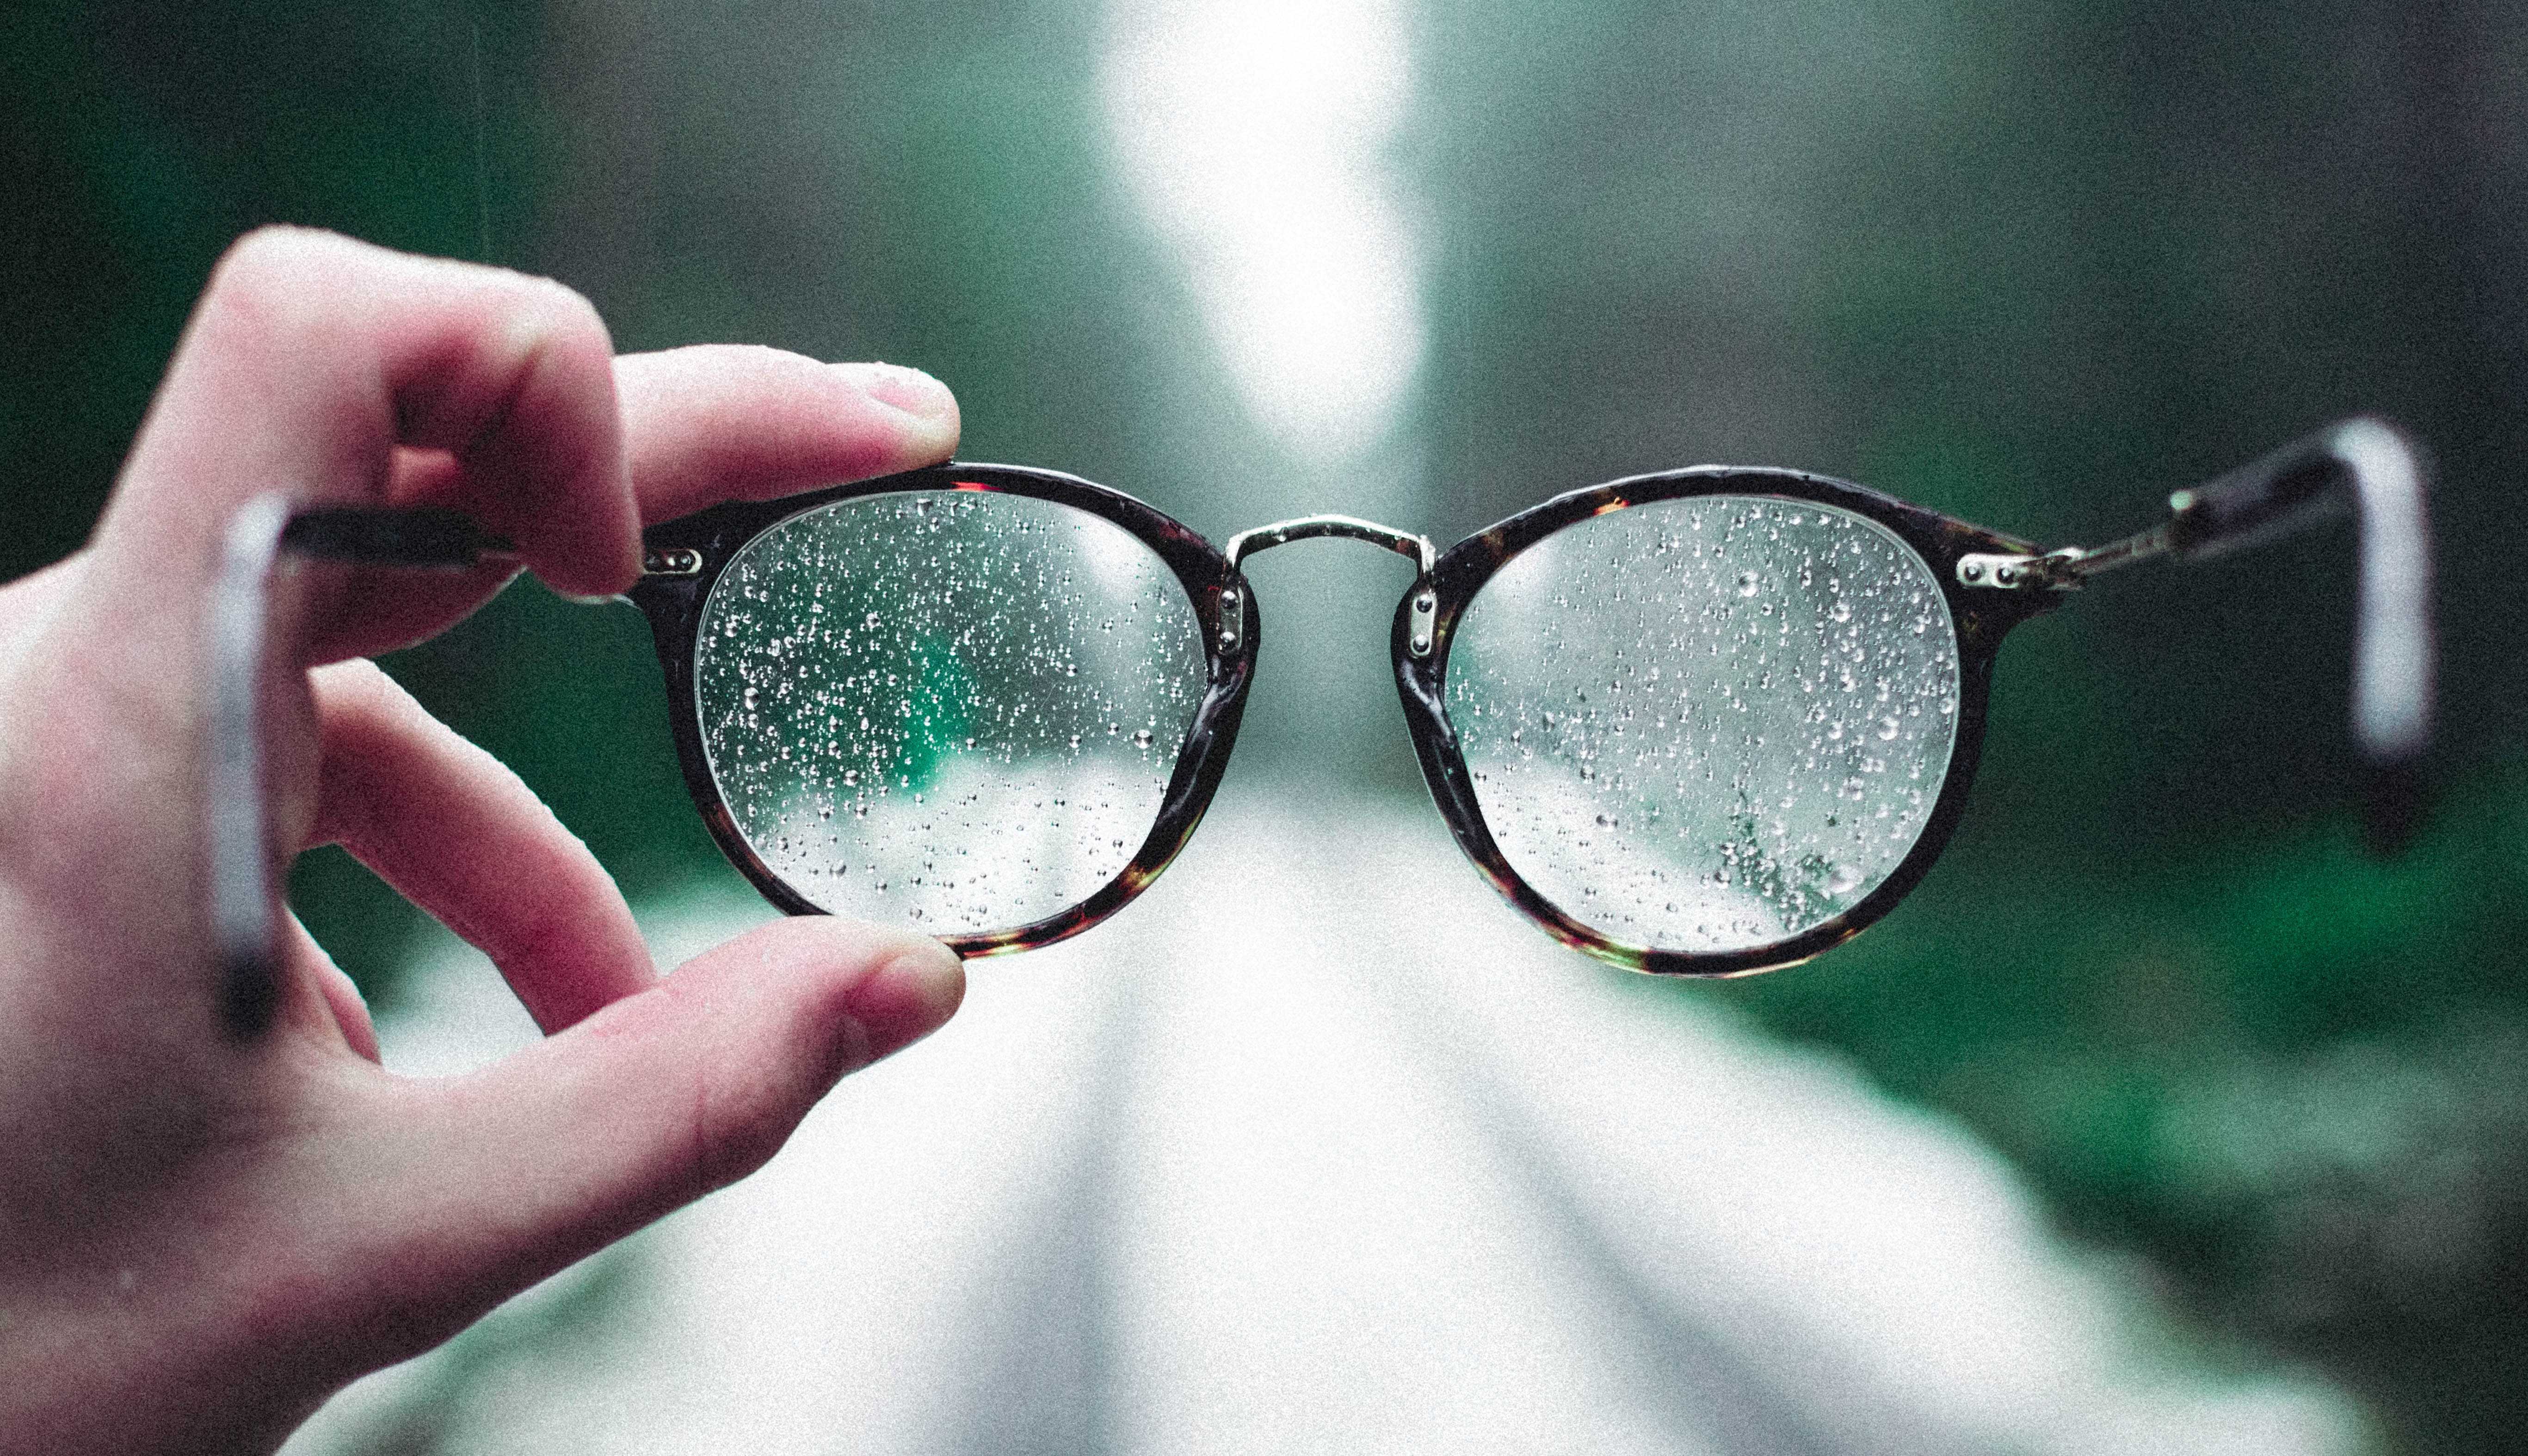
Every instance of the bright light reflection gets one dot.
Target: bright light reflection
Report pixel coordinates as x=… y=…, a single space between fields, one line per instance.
x=1255 y=135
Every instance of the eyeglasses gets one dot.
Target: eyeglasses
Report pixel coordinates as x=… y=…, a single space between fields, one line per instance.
x=1705 y=722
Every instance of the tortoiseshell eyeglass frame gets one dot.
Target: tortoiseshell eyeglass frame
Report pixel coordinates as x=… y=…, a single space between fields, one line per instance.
x=1992 y=583
x=687 y=556
x=1980 y=620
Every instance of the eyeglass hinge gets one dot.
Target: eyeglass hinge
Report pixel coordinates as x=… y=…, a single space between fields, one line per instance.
x=673 y=561
x=1233 y=618
x=2016 y=573
x=1426 y=606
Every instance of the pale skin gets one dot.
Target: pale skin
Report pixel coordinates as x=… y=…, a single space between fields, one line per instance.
x=203 y=1234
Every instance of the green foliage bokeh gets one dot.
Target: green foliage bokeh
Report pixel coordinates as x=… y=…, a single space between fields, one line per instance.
x=2029 y=264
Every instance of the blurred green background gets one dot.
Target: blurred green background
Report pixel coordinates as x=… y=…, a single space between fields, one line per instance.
x=2032 y=264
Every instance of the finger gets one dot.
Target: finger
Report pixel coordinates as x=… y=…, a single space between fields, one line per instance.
x=727 y=422
x=385 y=609
x=311 y=357
x=336 y=1011
x=514 y=1172
x=452 y=829
x=703 y=425
x=27 y=599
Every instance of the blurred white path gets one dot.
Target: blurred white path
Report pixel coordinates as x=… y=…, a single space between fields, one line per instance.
x=1319 y=1148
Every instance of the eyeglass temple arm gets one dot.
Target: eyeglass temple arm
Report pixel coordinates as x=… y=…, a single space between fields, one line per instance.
x=376 y=536
x=244 y=934
x=2364 y=465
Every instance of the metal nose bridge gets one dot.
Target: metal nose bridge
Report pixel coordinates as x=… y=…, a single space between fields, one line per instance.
x=1426 y=602
x=1247 y=544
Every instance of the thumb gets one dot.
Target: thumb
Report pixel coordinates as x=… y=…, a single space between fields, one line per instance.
x=655 y=1100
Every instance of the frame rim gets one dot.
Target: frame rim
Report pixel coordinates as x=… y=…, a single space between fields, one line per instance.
x=1979 y=622
x=673 y=606
x=1979 y=619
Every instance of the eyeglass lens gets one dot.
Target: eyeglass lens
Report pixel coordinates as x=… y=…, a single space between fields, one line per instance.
x=953 y=710
x=1702 y=725
x=1709 y=723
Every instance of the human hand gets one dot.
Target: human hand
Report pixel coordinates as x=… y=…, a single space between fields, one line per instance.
x=203 y=1233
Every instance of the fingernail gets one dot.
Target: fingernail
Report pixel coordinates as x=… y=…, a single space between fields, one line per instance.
x=907 y=999
x=907 y=390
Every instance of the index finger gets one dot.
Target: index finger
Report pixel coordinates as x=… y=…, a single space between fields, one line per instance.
x=731 y=421
x=311 y=357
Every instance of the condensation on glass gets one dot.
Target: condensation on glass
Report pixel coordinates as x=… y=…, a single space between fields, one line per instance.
x=954 y=710
x=1708 y=724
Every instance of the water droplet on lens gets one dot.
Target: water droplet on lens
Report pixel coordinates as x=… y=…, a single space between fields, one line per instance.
x=1142 y=737
x=1747 y=584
